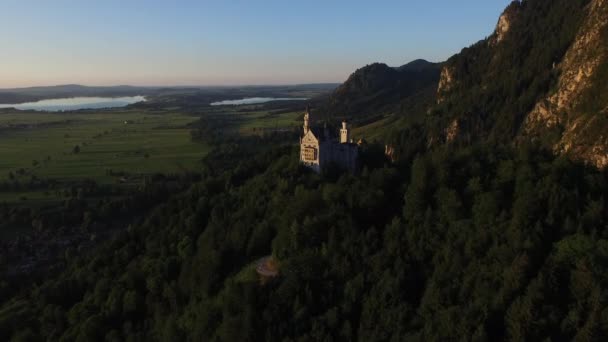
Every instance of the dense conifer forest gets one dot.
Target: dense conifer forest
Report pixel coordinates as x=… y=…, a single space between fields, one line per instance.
x=478 y=243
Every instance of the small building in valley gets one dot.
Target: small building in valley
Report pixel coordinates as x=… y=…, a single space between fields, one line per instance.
x=319 y=149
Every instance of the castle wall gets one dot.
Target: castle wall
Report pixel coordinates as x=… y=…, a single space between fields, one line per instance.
x=343 y=155
x=310 y=152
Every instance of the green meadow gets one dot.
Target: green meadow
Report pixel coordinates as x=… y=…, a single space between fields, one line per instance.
x=103 y=145
x=131 y=141
x=254 y=119
x=258 y=121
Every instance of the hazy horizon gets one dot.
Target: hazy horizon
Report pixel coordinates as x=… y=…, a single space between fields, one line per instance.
x=170 y=86
x=227 y=44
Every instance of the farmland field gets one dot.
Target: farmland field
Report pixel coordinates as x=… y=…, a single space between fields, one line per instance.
x=102 y=145
x=68 y=147
x=258 y=121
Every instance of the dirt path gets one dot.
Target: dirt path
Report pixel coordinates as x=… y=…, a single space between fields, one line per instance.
x=267 y=267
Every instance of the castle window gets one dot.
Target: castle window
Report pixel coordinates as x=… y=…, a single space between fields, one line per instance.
x=310 y=154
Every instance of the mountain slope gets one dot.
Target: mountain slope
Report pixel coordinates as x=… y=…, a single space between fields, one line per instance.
x=578 y=106
x=377 y=90
x=541 y=76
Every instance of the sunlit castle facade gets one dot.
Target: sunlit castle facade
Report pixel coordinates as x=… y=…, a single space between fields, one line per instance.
x=318 y=149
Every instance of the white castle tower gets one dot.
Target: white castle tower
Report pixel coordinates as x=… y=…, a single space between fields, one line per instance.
x=344 y=138
x=306 y=121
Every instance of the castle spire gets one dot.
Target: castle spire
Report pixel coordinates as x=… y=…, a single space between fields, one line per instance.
x=344 y=135
x=307 y=120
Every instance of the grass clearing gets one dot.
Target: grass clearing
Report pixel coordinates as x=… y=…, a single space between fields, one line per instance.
x=254 y=119
x=373 y=131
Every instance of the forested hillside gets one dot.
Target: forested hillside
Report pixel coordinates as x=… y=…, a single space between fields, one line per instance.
x=483 y=243
x=377 y=91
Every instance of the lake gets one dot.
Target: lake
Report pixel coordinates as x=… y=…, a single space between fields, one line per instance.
x=76 y=103
x=256 y=100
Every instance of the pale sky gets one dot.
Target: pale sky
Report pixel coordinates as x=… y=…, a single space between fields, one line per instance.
x=110 y=42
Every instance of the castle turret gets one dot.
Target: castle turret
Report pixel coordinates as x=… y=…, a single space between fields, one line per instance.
x=306 y=121
x=344 y=137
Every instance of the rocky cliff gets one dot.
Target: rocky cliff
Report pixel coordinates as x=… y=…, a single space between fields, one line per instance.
x=583 y=132
x=505 y=22
x=542 y=76
x=446 y=80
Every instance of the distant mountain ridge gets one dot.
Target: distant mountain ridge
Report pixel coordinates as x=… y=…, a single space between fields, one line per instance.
x=379 y=89
x=19 y=95
x=199 y=95
x=419 y=65
x=68 y=87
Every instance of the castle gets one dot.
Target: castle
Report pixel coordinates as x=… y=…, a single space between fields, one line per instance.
x=318 y=149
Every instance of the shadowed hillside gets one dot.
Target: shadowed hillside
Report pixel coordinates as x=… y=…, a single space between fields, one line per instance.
x=377 y=90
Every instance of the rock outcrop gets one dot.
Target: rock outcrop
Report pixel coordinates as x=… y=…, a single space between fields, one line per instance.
x=562 y=107
x=505 y=23
x=452 y=131
x=446 y=82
